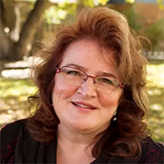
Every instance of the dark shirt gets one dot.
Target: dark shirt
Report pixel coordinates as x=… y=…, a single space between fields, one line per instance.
x=17 y=146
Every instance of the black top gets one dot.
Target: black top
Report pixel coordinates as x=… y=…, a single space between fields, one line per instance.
x=17 y=146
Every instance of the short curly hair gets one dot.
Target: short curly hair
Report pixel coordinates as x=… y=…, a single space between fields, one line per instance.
x=111 y=31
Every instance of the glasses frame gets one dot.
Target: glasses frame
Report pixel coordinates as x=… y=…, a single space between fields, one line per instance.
x=121 y=85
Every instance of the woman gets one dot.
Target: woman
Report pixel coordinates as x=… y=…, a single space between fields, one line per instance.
x=91 y=99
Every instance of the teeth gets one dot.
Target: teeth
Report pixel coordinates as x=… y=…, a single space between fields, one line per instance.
x=84 y=106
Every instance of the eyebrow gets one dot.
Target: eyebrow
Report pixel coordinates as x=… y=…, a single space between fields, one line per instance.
x=77 y=66
x=84 y=69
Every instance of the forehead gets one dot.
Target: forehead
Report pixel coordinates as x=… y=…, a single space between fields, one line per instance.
x=90 y=55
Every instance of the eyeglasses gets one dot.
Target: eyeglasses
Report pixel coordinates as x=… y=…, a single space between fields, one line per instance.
x=76 y=77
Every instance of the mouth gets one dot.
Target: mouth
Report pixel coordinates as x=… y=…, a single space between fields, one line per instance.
x=84 y=105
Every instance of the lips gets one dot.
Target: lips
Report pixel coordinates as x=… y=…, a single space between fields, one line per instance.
x=84 y=105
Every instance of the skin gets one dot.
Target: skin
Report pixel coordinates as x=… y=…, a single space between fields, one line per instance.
x=79 y=126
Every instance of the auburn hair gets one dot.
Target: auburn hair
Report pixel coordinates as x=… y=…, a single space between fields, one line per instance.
x=111 y=31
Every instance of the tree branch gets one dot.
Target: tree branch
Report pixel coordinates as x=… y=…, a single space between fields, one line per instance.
x=30 y=26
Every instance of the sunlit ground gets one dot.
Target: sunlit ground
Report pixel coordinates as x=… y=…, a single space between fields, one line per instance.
x=14 y=104
x=156 y=97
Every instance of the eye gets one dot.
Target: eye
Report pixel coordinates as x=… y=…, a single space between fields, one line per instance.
x=73 y=72
x=70 y=71
x=105 y=81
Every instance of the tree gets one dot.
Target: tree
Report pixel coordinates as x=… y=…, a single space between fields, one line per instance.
x=134 y=19
x=11 y=48
x=161 y=4
x=89 y=3
x=17 y=36
x=156 y=35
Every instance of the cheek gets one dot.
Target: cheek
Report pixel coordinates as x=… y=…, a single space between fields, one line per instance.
x=109 y=101
x=61 y=90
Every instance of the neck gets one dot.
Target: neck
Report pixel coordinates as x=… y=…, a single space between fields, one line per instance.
x=74 y=146
x=70 y=137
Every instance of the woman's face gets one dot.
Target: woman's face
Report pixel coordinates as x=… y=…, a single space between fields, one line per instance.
x=72 y=104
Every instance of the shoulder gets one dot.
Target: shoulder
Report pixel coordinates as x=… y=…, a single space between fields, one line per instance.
x=153 y=152
x=9 y=135
x=12 y=129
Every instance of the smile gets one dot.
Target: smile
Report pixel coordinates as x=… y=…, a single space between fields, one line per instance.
x=84 y=105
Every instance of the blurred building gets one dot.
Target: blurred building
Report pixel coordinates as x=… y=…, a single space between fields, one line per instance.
x=149 y=9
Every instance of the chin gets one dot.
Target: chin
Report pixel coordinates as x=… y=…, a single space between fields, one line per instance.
x=83 y=127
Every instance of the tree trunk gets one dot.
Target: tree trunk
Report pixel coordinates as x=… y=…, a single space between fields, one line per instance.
x=6 y=44
x=7 y=20
x=8 y=14
x=30 y=27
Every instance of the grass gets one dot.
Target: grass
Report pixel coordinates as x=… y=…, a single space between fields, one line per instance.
x=14 y=93
x=13 y=102
x=156 y=98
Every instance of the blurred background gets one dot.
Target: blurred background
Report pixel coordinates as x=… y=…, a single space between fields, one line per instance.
x=25 y=22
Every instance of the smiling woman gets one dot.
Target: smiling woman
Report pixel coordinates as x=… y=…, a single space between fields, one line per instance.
x=75 y=98
x=91 y=99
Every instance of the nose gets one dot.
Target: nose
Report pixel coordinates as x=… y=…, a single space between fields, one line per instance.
x=87 y=88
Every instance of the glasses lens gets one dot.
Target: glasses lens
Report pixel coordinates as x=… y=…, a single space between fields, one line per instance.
x=107 y=83
x=75 y=77
x=72 y=76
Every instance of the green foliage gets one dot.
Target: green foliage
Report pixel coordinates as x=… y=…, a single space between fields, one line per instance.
x=13 y=102
x=88 y=3
x=65 y=10
x=103 y=2
x=133 y=18
x=161 y=4
x=130 y=1
x=155 y=90
x=54 y=15
x=61 y=12
x=92 y=3
x=18 y=88
x=156 y=33
x=71 y=8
